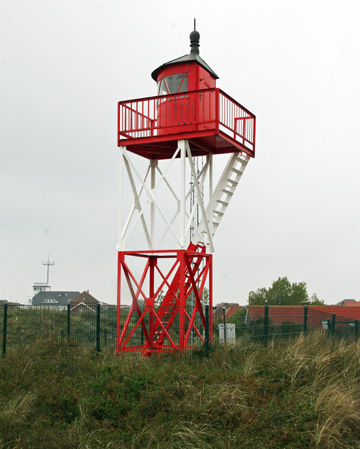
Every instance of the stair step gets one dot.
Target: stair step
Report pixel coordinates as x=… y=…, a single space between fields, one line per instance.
x=242 y=161
x=232 y=182
x=225 y=203
x=228 y=192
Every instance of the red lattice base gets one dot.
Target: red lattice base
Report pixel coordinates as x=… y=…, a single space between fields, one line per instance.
x=166 y=312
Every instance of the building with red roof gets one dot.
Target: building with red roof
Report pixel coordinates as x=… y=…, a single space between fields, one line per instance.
x=230 y=309
x=348 y=303
x=317 y=316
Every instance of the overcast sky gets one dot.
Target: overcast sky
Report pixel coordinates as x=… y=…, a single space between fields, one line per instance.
x=65 y=64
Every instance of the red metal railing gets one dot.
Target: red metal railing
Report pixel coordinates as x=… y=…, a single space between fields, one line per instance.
x=201 y=110
x=236 y=121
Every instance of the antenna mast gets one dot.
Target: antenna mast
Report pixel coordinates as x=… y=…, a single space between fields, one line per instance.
x=48 y=263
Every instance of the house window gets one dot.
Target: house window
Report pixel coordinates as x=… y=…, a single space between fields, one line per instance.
x=50 y=301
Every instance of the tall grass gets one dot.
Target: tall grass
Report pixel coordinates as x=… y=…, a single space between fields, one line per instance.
x=296 y=393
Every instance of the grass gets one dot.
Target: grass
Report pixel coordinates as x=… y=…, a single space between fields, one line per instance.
x=295 y=393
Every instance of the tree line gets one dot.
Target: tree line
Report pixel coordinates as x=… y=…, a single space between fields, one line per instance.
x=283 y=293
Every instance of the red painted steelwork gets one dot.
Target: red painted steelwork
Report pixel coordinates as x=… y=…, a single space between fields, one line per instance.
x=211 y=120
x=190 y=269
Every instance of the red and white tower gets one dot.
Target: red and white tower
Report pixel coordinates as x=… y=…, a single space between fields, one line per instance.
x=190 y=118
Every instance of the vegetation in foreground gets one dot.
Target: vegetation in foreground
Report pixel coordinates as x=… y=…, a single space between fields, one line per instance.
x=292 y=394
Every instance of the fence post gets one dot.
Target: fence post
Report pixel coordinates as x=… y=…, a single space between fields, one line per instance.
x=266 y=324
x=333 y=324
x=68 y=322
x=4 y=330
x=329 y=327
x=356 y=328
x=305 y=318
x=98 y=327
x=207 y=330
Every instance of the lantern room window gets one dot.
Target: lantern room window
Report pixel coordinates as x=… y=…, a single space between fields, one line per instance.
x=173 y=84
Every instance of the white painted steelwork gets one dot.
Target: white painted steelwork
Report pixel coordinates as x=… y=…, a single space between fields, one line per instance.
x=145 y=195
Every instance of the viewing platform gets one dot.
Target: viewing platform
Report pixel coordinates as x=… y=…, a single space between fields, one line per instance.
x=212 y=122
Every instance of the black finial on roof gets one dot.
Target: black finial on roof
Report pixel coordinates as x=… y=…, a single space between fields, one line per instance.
x=195 y=40
x=192 y=57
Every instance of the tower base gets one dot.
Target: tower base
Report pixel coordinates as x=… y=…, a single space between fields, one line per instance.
x=167 y=296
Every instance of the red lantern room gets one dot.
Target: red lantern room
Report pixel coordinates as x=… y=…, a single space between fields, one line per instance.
x=188 y=73
x=188 y=106
x=189 y=117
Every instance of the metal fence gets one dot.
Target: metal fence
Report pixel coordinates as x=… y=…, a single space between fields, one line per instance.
x=95 y=327
x=267 y=323
x=89 y=327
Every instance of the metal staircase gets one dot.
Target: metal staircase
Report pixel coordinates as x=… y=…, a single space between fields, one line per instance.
x=214 y=212
x=168 y=310
x=223 y=192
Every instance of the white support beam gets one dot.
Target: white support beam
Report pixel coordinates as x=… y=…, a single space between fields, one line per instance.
x=199 y=198
x=152 y=196
x=211 y=186
x=137 y=201
x=181 y=145
x=121 y=169
x=154 y=210
x=126 y=229
x=153 y=165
